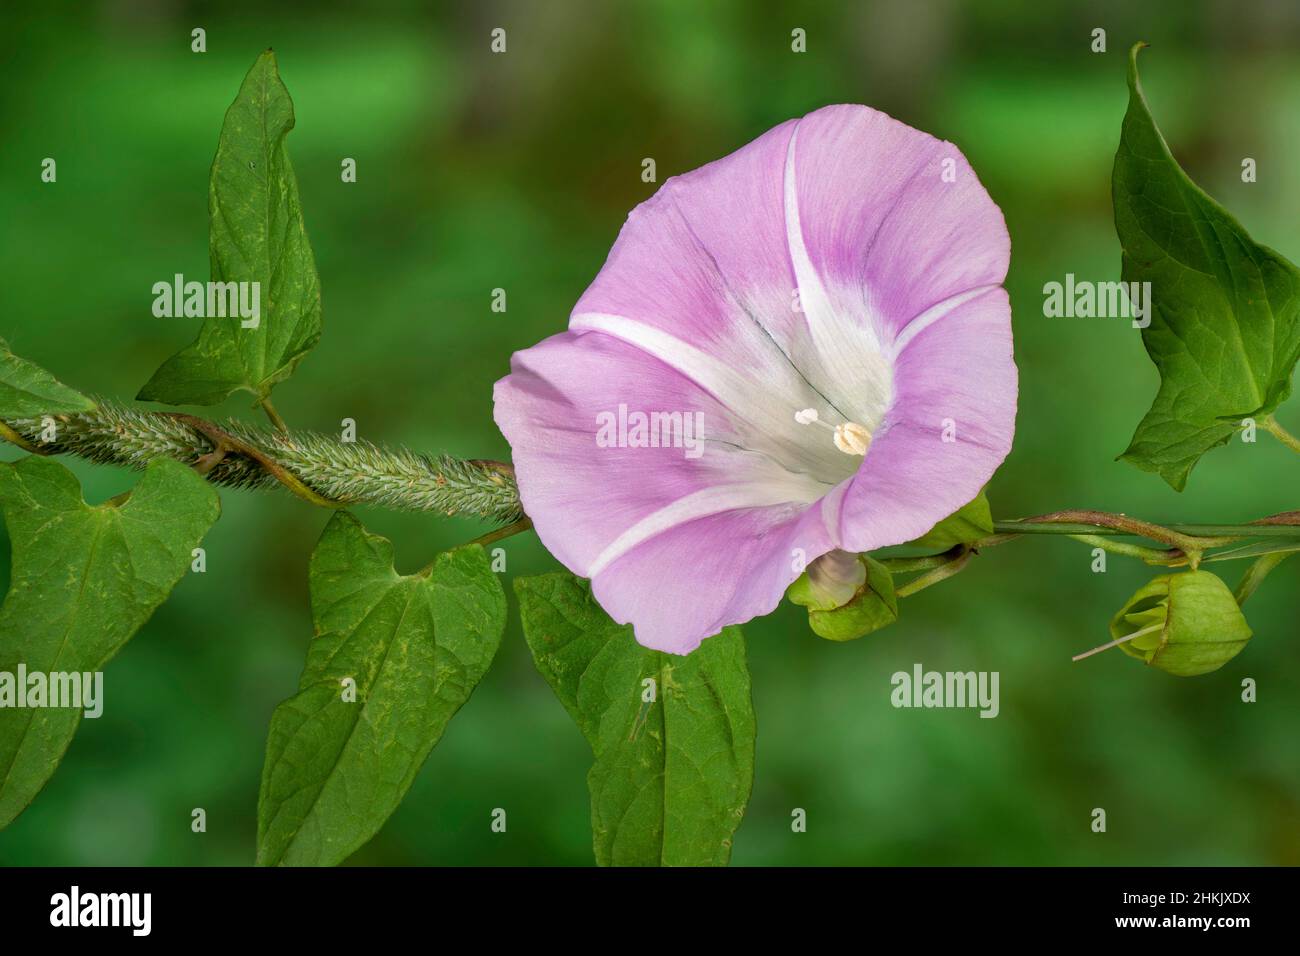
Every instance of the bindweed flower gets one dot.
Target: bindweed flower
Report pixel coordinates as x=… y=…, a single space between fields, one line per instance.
x=801 y=347
x=1186 y=624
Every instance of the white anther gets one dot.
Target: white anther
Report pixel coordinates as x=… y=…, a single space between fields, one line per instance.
x=852 y=439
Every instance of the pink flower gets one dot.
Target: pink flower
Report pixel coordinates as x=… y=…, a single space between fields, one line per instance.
x=800 y=347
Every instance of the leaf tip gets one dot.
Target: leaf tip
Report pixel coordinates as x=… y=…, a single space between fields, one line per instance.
x=1133 y=62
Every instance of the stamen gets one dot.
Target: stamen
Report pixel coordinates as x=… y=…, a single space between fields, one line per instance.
x=850 y=438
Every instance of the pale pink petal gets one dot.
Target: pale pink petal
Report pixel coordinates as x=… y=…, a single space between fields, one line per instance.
x=590 y=504
x=959 y=372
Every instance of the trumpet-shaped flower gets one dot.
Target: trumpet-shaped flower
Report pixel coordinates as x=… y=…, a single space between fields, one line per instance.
x=801 y=347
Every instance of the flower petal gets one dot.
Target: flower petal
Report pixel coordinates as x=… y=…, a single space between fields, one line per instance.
x=707 y=260
x=691 y=581
x=958 y=373
x=893 y=221
x=592 y=504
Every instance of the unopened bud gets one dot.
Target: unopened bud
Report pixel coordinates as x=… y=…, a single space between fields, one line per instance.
x=847 y=596
x=1186 y=624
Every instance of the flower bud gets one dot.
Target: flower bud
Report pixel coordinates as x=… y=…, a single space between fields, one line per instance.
x=847 y=596
x=1192 y=624
x=831 y=581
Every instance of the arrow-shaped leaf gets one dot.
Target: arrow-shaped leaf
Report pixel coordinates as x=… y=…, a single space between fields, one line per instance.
x=393 y=659
x=673 y=736
x=1224 y=330
x=256 y=235
x=84 y=580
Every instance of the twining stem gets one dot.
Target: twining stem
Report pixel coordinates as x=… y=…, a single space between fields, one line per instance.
x=955 y=561
x=922 y=563
x=331 y=473
x=1285 y=525
x=1171 y=557
x=1274 y=427
x=322 y=470
x=223 y=443
x=1188 y=543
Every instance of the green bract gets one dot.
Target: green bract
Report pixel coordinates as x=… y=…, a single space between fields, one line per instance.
x=839 y=614
x=1193 y=624
x=968 y=523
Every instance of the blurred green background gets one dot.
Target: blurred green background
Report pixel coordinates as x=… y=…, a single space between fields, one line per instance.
x=477 y=171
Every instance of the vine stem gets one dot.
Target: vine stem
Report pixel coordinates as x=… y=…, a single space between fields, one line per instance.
x=1274 y=427
x=1190 y=544
x=1284 y=525
x=955 y=561
x=1098 y=528
x=1170 y=556
x=331 y=473
x=322 y=470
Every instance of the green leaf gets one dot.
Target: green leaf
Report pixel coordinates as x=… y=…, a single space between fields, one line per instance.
x=84 y=580
x=412 y=648
x=256 y=235
x=1224 y=332
x=969 y=523
x=672 y=775
x=27 y=390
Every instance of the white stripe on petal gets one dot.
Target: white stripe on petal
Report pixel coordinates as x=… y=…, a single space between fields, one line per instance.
x=703 y=503
x=847 y=346
x=934 y=314
x=748 y=398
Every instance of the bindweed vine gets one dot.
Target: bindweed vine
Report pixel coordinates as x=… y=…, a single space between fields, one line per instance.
x=331 y=473
x=830 y=447
x=322 y=470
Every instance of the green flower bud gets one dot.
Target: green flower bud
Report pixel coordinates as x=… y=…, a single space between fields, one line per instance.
x=847 y=596
x=831 y=581
x=1187 y=624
